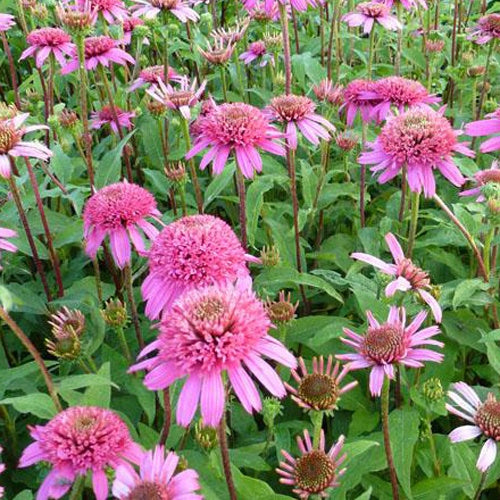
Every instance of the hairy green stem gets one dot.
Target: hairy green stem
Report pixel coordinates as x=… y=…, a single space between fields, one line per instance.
x=387 y=441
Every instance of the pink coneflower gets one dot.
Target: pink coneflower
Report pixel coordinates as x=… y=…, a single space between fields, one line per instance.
x=208 y=332
x=178 y=99
x=238 y=128
x=129 y=24
x=12 y=145
x=328 y=91
x=6 y=22
x=408 y=4
x=151 y=8
x=407 y=275
x=105 y=116
x=192 y=252
x=233 y=34
x=319 y=390
x=298 y=111
x=76 y=441
x=119 y=211
x=421 y=139
x=487 y=28
x=111 y=10
x=256 y=50
x=485 y=418
x=367 y=13
x=483 y=178
x=78 y=17
x=389 y=344
x=315 y=471
x=259 y=11
x=300 y=5
x=489 y=126
x=354 y=101
x=5 y=244
x=99 y=50
x=150 y=76
x=46 y=41
x=398 y=92
x=434 y=46
x=157 y=479
x=219 y=52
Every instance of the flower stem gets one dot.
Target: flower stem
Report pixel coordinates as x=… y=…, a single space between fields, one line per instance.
x=168 y=416
x=223 y=81
x=481 y=485
x=240 y=182
x=286 y=48
x=432 y=444
x=123 y=342
x=370 y=53
x=12 y=69
x=334 y=35
x=485 y=79
x=23 y=338
x=397 y=62
x=387 y=442
x=226 y=462
x=317 y=421
x=192 y=169
x=78 y=487
x=415 y=204
x=133 y=307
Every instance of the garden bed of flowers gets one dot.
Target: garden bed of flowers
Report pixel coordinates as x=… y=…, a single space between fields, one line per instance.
x=249 y=249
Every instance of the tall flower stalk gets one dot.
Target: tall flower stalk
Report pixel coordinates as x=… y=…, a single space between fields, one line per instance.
x=286 y=48
x=384 y=402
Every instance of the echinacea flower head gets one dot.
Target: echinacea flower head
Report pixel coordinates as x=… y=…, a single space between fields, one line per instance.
x=105 y=116
x=489 y=126
x=346 y=140
x=151 y=8
x=66 y=323
x=210 y=331
x=408 y=4
x=320 y=389
x=99 y=50
x=119 y=211
x=355 y=101
x=46 y=41
x=234 y=33
x=258 y=10
x=315 y=471
x=486 y=29
x=421 y=139
x=296 y=111
x=12 y=145
x=299 y=5
x=219 y=52
x=256 y=50
x=179 y=99
x=483 y=178
x=236 y=128
x=408 y=276
x=5 y=244
x=78 y=17
x=484 y=417
x=76 y=441
x=391 y=343
x=150 y=76
x=6 y=22
x=192 y=252
x=281 y=311
x=129 y=24
x=367 y=13
x=157 y=479
x=110 y=10
x=434 y=46
x=400 y=93
x=327 y=91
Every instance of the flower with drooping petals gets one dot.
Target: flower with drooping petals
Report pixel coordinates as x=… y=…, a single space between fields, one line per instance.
x=78 y=17
x=354 y=101
x=434 y=46
x=329 y=92
x=129 y=24
x=192 y=252
x=46 y=41
x=483 y=178
x=298 y=111
x=389 y=344
x=398 y=92
x=489 y=126
x=76 y=441
x=319 y=390
x=12 y=145
x=407 y=275
x=315 y=471
x=219 y=52
x=105 y=116
x=421 y=139
x=367 y=13
x=239 y=128
x=179 y=99
x=208 y=332
x=347 y=140
x=6 y=22
x=67 y=322
x=487 y=28
x=232 y=34
x=111 y=10
x=157 y=479
x=99 y=50
x=485 y=418
x=119 y=211
x=151 y=8
x=5 y=244
x=256 y=50
x=150 y=76
x=408 y=4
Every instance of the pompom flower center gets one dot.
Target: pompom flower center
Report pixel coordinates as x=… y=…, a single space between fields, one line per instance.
x=292 y=107
x=210 y=309
x=384 y=343
x=258 y=48
x=490 y=23
x=148 y=490
x=488 y=418
x=104 y=4
x=314 y=471
x=164 y=4
x=401 y=91
x=98 y=45
x=418 y=136
x=9 y=137
x=319 y=391
x=52 y=37
x=373 y=9
x=416 y=276
x=152 y=74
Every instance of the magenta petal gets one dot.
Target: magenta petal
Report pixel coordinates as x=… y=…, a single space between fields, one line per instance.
x=212 y=399
x=245 y=389
x=376 y=380
x=188 y=400
x=100 y=484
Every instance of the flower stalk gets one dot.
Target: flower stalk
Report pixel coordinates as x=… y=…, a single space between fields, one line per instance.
x=387 y=442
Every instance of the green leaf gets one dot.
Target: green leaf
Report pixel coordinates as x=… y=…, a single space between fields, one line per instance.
x=466 y=289
x=218 y=184
x=100 y=395
x=86 y=380
x=428 y=488
x=464 y=467
x=38 y=404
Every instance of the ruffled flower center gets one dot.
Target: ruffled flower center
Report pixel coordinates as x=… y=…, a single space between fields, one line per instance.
x=258 y=48
x=488 y=418
x=164 y=4
x=373 y=9
x=400 y=91
x=9 y=137
x=416 y=276
x=51 y=37
x=152 y=74
x=292 y=107
x=148 y=490
x=105 y=4
x=490 y=24
x=209 y=309
x=383 y=344
x=314 y=472
x=97 y=46
x=319 y=391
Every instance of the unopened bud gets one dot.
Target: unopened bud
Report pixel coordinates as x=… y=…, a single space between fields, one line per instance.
x=270 y=256
x=281 y=311
x=206 y=437
x=432 y=389
x=115 y=313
